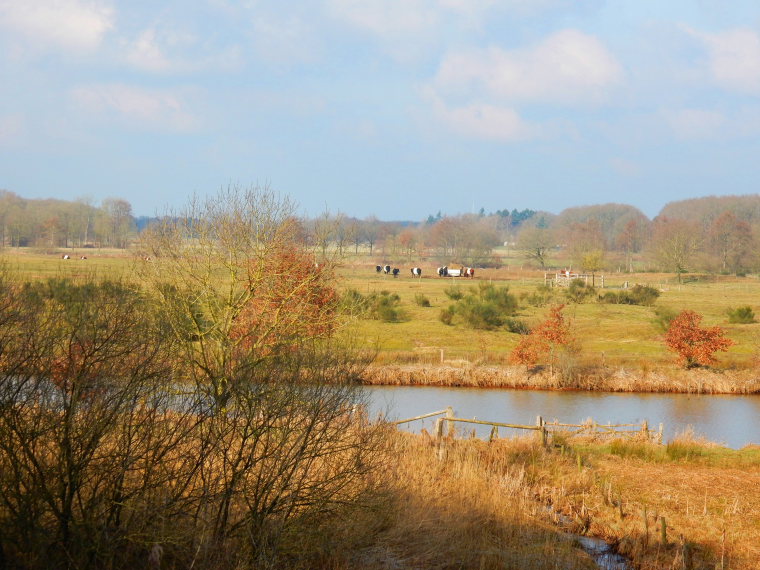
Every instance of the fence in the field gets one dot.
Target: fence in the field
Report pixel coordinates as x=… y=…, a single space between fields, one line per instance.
x=589 y=427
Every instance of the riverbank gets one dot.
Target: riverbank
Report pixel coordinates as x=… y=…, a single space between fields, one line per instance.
x=598 y=378
x=513 y=503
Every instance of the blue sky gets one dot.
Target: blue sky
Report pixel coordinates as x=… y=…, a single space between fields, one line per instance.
x=393 y=108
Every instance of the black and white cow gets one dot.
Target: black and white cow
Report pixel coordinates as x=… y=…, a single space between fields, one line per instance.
x=386 y=269
x=395 y=271
x=65 y=256
x=443 y=271
x=416 y=272
x=469 y=272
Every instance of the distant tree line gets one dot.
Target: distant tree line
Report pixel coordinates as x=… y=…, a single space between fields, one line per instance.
x=714 y=234
x=59 y=223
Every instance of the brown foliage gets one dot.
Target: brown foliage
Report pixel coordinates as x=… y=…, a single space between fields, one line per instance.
x=553 y=332
x=695 y=345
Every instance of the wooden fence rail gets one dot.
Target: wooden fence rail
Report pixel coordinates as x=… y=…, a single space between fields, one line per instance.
x=545 y=428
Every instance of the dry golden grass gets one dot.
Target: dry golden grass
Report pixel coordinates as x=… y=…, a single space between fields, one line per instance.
x=607 y=379
x=463 y=508
x=511 y=504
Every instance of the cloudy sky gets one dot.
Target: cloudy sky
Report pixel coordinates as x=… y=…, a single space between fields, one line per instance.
x=397 y=108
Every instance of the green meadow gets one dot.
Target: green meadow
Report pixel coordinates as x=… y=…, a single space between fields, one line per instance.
x=625 y=335
x=609 y=333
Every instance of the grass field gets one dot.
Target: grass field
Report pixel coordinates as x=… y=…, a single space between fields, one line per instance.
x=612 y=335
x=615 y=334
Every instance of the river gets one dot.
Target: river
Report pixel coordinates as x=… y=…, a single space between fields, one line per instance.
x=733 y=421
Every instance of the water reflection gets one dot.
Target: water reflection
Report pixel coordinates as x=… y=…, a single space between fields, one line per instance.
x=731 y=420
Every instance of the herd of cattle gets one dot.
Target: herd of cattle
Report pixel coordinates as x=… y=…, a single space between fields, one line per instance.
x=417 y=271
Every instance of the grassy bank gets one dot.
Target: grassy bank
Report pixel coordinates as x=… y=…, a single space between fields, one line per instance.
x=568 y=377
x=510 y=504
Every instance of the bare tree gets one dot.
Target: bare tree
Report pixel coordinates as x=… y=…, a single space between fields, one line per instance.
x=674 y=244
x=535 y=242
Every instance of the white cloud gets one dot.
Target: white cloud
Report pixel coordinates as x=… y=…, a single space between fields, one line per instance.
x=160 y=49
x=733 y=58
x=147 y=53
x=77 y=25
x=484 y=121
x=695 y=123
x=569 y=67
x=387 y=18
x=137 y=107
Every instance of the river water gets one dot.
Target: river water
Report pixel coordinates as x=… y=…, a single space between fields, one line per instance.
x=733 y=421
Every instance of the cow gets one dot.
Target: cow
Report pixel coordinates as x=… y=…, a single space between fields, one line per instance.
x=83 y=257
x=443 y=271
x=387 y=269
x=378 y=268
x=469 y=272
x=395 y=271
x=65 y=256
x=416 y=272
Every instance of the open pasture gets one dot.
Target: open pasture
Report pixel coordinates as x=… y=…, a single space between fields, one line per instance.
x=606 y=333
x=625 y=335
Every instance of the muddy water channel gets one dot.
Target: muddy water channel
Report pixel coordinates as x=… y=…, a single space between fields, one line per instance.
x=733 y=421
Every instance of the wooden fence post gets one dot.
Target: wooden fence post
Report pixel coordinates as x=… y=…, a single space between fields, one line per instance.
x=439 y=428
x=541 y=429
x=645 y=429
x=450 y=414
x=494 y=433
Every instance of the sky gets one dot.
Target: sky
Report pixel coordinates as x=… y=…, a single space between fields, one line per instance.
x=393 y=108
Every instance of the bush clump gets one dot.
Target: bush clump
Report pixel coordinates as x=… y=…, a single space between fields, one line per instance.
x=741 y=315
x=454 y=292
x=484 y=308
x=638 y=295
x=382 y=306
x=421 y=300
x=542 y=296
x=578 y=291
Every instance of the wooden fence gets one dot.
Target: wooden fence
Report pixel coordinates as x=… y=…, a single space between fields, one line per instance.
x=545 y=429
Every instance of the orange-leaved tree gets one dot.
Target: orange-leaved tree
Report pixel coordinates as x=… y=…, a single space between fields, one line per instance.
x=695 y=345
x=543 y=339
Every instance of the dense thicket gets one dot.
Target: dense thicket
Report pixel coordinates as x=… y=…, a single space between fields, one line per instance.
x=204 y=419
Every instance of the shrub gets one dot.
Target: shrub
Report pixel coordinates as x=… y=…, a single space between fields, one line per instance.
x=578 y=291
x=485 y=308
x=542 y=341
x=384 y=306
x=454 y=292
x=638 y=295
x=540 y=297
x=446 y=316
x=741 y=315
x=352 y=302
x=421 y=300
x=516 y=326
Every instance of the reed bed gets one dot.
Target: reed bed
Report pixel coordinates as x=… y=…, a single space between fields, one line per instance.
x=607 y=379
